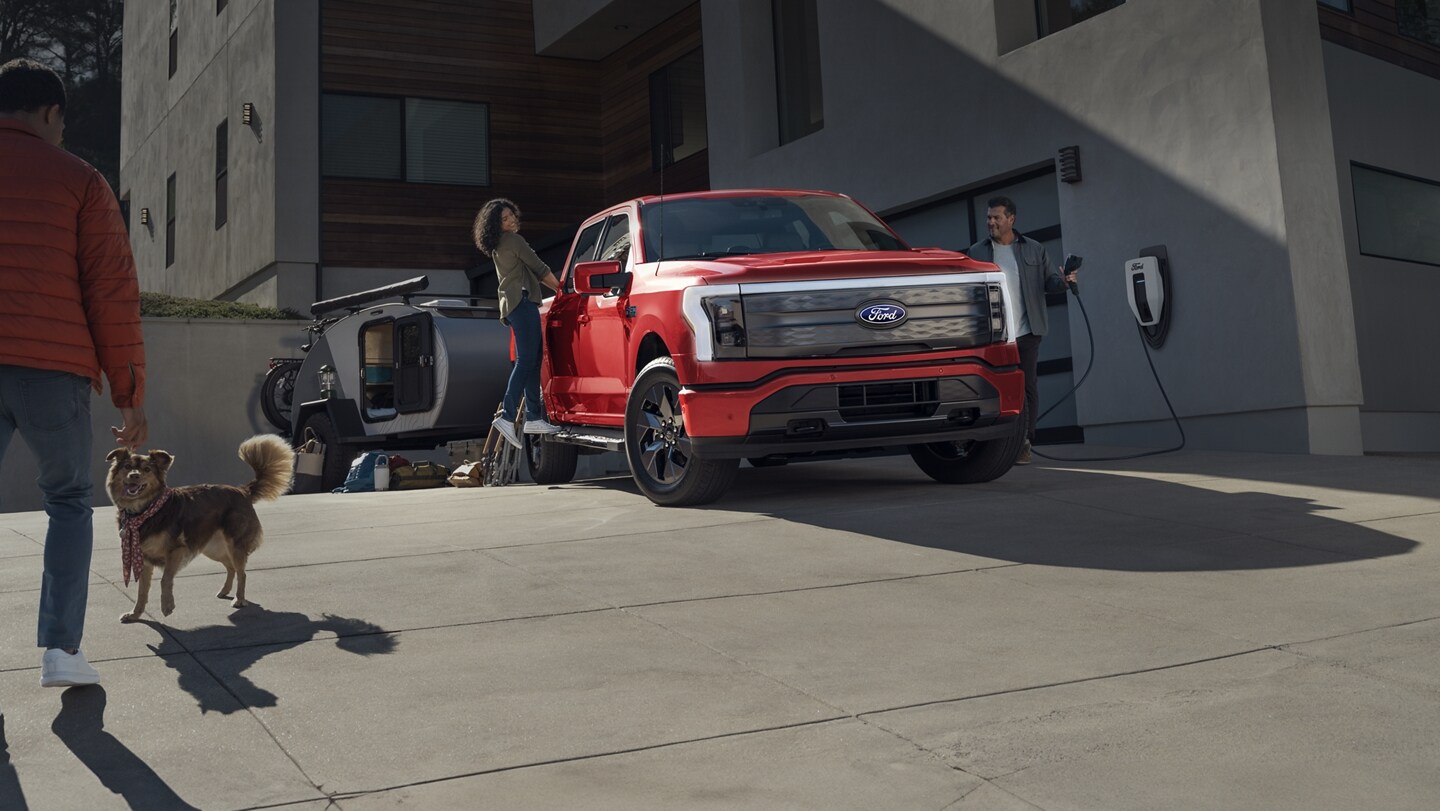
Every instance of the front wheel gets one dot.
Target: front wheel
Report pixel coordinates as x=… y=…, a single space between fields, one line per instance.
x=658 y=447
x=970 y=462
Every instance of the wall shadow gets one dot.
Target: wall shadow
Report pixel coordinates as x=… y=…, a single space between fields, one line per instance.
x=253 y=634
x=81 y=727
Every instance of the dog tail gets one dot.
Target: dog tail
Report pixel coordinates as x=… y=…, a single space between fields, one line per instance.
x=274 y=464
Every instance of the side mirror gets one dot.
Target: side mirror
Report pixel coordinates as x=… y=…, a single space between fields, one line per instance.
x=599 y=278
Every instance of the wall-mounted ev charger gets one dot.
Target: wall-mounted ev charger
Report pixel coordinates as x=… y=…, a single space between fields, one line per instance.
x=1147 y=285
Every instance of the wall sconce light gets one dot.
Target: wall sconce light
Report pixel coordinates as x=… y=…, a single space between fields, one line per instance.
x=247 y=113
x=1070 y=164
x=144 y=216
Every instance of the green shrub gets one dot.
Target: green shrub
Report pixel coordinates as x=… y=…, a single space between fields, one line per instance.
x=159 y=305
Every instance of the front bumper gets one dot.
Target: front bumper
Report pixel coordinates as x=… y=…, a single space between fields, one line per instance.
x=836 y=411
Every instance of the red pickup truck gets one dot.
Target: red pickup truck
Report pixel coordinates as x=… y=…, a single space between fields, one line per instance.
x=695 y=330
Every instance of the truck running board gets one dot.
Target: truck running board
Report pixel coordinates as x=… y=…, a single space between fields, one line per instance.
x=606 y=439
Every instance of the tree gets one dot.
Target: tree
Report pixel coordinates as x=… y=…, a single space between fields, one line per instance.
x=81 y=40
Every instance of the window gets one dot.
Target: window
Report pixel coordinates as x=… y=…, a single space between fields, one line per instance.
x=1057 y=15
x=414 y=140
x=677 y=110
x=617 y=241
x=222 y=171
x=170 y=221
x=447 y=142
x=1339 y=5
x=174 y=39
x=798 y=95
x=1419 y=19
x=584 y=249
x=1395 y=215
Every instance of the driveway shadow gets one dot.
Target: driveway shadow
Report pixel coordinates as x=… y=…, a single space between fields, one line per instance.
x=12 y=797
x=1098 y=519
x=253 y=634
x=81 y=726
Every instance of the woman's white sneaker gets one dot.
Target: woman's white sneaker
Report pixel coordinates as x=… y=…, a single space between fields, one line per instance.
x=61 y=669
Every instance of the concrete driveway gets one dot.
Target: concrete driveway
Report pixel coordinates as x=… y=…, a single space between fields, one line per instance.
x=1200 y=630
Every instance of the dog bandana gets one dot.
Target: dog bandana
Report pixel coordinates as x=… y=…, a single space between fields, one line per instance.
x=130 y=558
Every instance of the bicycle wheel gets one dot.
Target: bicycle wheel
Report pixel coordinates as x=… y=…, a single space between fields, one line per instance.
x=277 y=393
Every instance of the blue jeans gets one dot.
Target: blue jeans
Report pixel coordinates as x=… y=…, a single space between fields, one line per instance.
x=52 y=411
x=525 y=377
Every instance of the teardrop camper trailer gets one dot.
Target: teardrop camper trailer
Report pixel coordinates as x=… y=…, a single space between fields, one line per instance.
x=395 y=374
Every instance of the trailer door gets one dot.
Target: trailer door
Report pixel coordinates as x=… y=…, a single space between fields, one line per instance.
x=414 y=363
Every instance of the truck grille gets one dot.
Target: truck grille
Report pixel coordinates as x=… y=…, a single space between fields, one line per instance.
x=888 y=401
x=824 y=323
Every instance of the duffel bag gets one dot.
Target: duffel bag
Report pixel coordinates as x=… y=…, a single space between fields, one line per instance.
x=418 y=476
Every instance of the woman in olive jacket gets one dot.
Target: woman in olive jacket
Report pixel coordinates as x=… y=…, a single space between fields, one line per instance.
x=521 y=274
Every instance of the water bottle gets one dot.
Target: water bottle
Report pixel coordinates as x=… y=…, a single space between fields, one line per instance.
x=382 y=473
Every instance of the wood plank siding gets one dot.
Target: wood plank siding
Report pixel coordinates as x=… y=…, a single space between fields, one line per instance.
x=1372 y=29
x=566 y=136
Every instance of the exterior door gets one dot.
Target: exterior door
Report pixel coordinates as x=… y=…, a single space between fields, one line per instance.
x=603 y=361
x=561 y=322
x=414 y=363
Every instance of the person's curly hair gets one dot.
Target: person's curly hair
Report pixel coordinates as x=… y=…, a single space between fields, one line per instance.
x=487 y=224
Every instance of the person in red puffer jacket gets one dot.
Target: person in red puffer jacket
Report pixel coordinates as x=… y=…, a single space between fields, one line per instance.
x=69 y=312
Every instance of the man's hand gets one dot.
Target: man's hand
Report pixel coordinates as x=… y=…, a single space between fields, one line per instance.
x=133 y=430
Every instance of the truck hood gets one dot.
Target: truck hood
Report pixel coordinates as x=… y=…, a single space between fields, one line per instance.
x=818 y=265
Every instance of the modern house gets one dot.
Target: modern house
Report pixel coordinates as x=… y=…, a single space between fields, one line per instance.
x=1281 y=151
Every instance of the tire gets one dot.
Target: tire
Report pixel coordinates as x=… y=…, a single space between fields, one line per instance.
x=337 y=456
x=970 y=462
x=658 y=448
x=277 y=394
x=550 y=462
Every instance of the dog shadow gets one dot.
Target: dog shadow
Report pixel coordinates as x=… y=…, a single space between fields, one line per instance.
x=224 y=653
x=81 y=727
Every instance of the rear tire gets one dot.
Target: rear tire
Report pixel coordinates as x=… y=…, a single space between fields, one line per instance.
x=337 y=456
x=970 y=462
x=550 y=462
x=658 y=447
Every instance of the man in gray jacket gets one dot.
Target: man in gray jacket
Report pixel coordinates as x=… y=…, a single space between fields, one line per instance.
x=1027 y=267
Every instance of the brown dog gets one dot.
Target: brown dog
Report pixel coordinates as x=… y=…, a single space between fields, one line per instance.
x=165 y=527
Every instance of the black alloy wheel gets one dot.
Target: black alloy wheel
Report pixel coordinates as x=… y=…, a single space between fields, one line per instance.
x=658 y=448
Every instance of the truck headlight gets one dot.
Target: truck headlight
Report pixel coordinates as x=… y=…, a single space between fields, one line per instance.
x=727 y=324
x=717 y=318
x=997 y=314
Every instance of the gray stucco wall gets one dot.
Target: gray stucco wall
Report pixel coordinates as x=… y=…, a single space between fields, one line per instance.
x=1172 y=107
x=1388 y=117
x=168 y=125
x=203 y=382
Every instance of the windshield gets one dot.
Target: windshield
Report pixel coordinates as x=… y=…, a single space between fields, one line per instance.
x=734 y=226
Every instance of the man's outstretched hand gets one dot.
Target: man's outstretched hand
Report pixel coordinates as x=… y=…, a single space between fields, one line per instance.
x=133 y=430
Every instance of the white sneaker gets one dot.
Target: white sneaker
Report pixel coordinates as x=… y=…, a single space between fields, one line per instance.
x=507 y=430
x=541 y=426
x=61 y=669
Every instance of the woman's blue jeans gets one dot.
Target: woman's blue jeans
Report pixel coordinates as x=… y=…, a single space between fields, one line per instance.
x=525 y=377
x=51 y=410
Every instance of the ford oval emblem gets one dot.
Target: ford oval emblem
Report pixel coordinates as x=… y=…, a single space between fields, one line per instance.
x=882 y=314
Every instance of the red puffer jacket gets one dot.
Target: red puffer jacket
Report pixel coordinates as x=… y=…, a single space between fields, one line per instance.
x=69 y=298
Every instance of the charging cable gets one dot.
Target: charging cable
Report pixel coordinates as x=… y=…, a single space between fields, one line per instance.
x=1090 y=364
